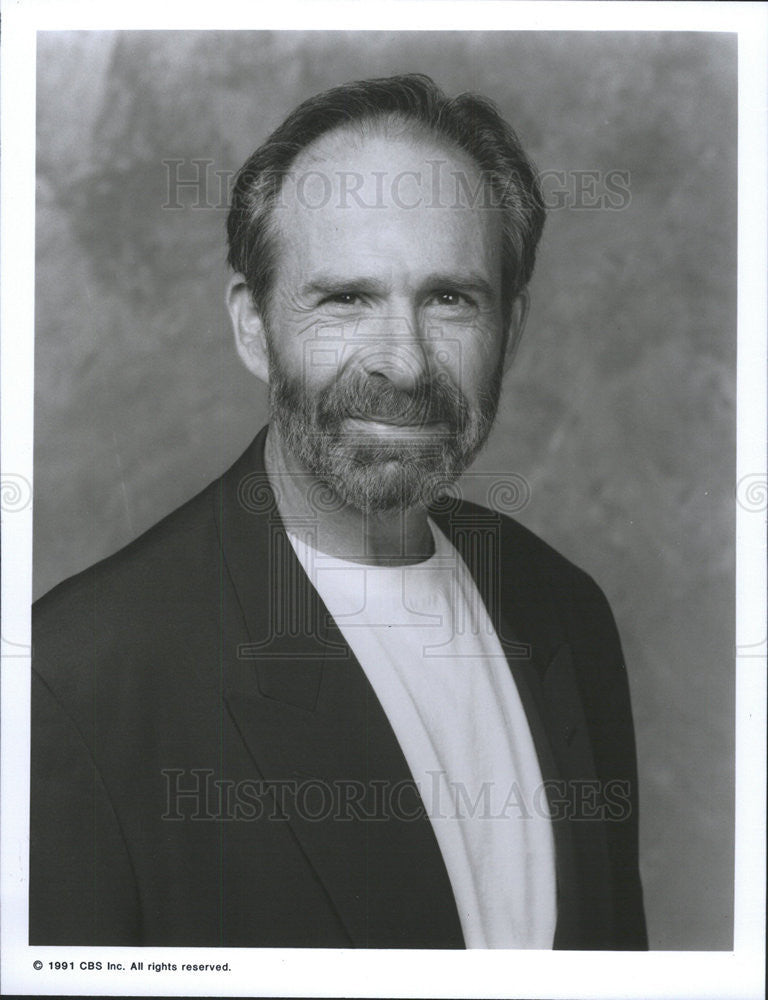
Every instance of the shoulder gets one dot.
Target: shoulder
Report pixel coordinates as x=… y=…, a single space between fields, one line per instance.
x=149 y=550
x=517 y=550
x=176 y=548
x=130 y=598
x=550 y=598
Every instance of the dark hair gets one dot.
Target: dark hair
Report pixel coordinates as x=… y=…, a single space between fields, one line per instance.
x=470 y=122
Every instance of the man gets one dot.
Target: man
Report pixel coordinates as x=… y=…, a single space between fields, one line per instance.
x=325 y=703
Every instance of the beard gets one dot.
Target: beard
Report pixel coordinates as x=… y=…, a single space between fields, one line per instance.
x=441 y=434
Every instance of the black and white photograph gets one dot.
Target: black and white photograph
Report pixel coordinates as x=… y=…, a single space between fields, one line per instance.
x=385 y=503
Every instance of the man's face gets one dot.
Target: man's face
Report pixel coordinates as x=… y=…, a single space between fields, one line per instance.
x=384 y=327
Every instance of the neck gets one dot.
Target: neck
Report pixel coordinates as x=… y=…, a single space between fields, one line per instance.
x=384 y=538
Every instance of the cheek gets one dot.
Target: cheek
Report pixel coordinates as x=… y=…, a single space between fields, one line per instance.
x=291 y=337
x=470 y=357
x=308 y=359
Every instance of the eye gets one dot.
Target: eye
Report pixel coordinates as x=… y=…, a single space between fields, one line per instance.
x=451 y=299
x=341 y=299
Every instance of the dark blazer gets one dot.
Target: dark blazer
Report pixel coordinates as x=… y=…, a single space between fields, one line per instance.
x=197 y=719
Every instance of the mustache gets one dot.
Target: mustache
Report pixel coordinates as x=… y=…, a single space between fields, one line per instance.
x=432 y=400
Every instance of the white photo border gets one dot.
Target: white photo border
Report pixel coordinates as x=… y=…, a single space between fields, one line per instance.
x=323 y=972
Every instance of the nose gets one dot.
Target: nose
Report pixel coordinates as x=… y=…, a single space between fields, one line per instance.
x=394 y=349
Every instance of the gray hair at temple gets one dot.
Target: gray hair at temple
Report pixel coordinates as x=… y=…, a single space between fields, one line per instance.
x=469 y=122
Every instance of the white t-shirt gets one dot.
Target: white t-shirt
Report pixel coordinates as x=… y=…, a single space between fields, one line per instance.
x=424 y=638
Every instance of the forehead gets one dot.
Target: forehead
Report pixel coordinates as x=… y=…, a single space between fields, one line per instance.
x=391 y=194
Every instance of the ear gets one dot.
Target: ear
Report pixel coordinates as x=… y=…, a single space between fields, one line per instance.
x=516 y=326
x=248 y=327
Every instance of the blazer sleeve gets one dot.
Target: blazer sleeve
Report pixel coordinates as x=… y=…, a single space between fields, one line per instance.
x=82 y=886
x=606 y=698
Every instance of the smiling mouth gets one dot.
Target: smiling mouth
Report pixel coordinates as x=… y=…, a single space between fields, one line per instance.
x=395 y=426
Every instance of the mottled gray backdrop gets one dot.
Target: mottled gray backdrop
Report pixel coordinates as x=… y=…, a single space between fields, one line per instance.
x=619 y=414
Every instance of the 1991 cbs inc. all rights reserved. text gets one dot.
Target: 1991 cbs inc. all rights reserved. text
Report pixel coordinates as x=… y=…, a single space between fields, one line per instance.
x=107 y=966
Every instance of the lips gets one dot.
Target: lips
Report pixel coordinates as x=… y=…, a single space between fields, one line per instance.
x=405 y=420
x=380 y=408
x=378 y=432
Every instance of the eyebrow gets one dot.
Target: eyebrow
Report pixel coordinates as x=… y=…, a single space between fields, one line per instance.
x=334 y=284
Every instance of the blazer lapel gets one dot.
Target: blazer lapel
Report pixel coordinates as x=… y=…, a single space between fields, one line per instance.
x=312 y=725
x=542 y=665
